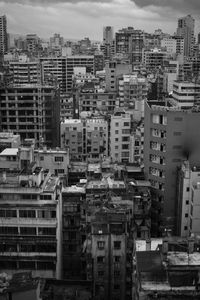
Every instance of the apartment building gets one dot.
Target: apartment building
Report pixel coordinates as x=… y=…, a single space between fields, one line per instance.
x=173 y=44
x=32 y=111
x=185 y=29
x=87 y=140
x=121 y=143
x=9 y=140
x=3 y=35
x=75 y=61
x=55 y=160
x=136 y=45
x=74 y=234
x=188 y=219
x=186 y=93
x=167 y=269
x=122 y=40
x=109 y=254
x=154 y=58
x=26 y=72
x=132 y=92
x=32 y=43
x=100 y=101
x=31 y=214
x=108 y=46
x=115 y=69
x=170 y=136
x=54 y=67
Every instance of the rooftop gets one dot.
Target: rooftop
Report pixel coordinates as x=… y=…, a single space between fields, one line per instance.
x=73 y=189
x=183 y=258
x=9 y=152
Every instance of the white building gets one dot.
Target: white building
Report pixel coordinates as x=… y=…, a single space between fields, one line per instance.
x=186 y=94
x=132 y=92
x=188 y=221
x=121 y=143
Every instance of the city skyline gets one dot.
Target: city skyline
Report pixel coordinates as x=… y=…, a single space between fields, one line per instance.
x=46 y=17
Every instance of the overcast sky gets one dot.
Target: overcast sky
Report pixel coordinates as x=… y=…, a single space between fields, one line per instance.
x=81 y=18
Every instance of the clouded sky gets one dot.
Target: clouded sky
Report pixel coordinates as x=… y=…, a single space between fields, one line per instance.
x=80 y=18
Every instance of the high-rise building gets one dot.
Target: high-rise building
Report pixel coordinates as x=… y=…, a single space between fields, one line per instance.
x=33 y=111
x=186 y=30
x=3 y=35
x=108 y=46
x=171 y=135
x=136 y=46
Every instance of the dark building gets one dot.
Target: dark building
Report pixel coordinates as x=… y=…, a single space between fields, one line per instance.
x=33 y=111
x=73 y=233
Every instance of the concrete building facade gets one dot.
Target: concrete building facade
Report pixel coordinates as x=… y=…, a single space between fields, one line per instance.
x=170 y=136
x=31 y=111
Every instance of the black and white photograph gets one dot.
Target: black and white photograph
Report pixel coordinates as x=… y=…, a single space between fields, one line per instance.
x=99 y=149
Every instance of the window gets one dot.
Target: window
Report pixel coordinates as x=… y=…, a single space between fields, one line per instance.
x=116 y=147
x=116 y=124
x=116 y=286
x=178 y=119
x=58 y=158
x=126 y=146
x=177 y=133
x=100 y=273
x=187 y=189
x=186 y=215
x=100 y=245
x=8 y=213
x=27 y=213
x=8 y=230
x=117 y=258
x=126 y=124
x=116 y=139
x=72 y=235
x=117 y=245
x=46 y=231
x=126 y=139
x=28 y=230
x=187 y=202
x=46 y=214
x=41 y=158
x=116 y=273
x=116 y=131
x=185 y=227
x=100 y=259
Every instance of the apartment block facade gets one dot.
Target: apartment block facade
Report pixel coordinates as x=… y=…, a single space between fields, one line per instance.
x=170 y=136
x=33 y=111
x=30 y=222
x=87 y=140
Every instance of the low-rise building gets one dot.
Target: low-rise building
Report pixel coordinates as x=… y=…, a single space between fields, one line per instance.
x=169 y=271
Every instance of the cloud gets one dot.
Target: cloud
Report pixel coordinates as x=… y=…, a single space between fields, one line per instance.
x=47 y=2
x=185 y=6
x=79 y=18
